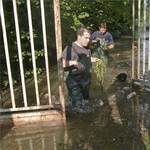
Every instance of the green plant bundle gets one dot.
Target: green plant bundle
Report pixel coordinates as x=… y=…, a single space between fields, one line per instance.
x=100 y=69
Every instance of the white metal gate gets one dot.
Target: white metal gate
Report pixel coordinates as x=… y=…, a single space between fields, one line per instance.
x=38 y=104
x=141 y=58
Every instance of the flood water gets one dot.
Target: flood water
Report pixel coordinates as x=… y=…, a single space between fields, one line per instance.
x=109 y=121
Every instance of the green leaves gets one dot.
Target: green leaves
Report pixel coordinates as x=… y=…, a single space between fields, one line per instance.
x=73 y=13
x=83 y=15
x=146 y=139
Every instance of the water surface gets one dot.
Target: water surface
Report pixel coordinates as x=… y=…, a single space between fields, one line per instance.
x=108 y=121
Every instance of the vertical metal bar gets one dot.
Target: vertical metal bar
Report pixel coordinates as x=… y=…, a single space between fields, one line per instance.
x=45 y=49
x=33 y=51
x=139 y=39
x=43 y=142
x=31 y=143
x=1 y=103
x=20 y=52
x=54 y=141
x=59 y=54
x=65 y=139
x=133 y=21
x=7 y=55
x=0 y=99
x=149 y=49
x=144 y=41
x=19 y=143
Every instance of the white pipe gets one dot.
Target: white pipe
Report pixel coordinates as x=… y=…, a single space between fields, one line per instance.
x=144 y=33
x=133 y=32
x=139 y=18
x=33 y=51
x=20 y=52
x=7 y=54
x=45 y=49
x=149 y=48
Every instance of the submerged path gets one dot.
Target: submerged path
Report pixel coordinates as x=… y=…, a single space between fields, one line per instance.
x=108 y=121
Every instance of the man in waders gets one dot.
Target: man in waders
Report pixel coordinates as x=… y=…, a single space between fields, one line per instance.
x=103 y=42
x=77 y=60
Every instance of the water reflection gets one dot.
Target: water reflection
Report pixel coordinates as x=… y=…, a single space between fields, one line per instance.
x=109 y=121
x=144 y=119
x=115 y=112
x=39 y=136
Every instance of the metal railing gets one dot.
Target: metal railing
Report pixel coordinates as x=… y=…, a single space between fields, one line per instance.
x=141 y=68
x=37 y=136
x=58 y=49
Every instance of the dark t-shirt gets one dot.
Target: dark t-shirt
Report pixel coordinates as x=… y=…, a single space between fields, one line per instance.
x=107 y=36
x=83 y=52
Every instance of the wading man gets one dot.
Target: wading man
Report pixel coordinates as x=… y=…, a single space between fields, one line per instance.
x=77 y=67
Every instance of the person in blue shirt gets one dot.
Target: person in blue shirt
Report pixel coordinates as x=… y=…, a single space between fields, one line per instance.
x=102 y=33
x=103 y=42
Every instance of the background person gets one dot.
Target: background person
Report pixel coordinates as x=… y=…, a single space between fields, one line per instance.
x=103 y=42
x=102 y=34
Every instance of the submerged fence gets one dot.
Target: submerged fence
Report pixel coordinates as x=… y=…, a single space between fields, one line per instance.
x=141 y=63
x=36 y=136
x=32 y=44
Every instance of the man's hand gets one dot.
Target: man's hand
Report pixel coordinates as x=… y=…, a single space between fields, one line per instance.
x=67 y=63
x=106 y=47
x=109 y=47
x=79 y=65
x=94 y=59
x=95 y=40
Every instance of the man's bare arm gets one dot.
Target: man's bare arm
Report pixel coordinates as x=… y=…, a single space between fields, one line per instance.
x=68 y=63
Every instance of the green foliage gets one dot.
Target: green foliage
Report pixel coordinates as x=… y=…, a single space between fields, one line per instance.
x=118 y=15
x=74 y=13
x=147 y=141
x=100 y=70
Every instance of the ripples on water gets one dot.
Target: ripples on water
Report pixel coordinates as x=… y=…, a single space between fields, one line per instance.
x=108 y=121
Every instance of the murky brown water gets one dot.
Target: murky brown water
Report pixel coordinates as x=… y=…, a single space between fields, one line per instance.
x=109 y=120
